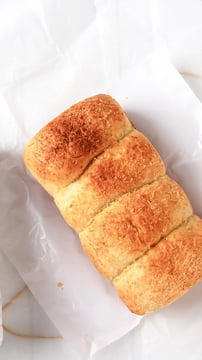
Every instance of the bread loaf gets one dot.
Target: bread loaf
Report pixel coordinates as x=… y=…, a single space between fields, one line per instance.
x=135 y=223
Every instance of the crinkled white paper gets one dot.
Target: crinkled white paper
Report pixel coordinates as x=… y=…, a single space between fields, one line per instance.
x=54 y=66
x=177 y=27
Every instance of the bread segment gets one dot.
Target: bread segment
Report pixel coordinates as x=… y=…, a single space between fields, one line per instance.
x=126 y=166
x=60 y=151
x=166 y=272
x=126 y=229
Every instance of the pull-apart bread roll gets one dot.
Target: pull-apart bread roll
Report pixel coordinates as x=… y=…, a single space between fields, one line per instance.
x=61 y=151
x=165 y=272
x=135 y=223
x=127 y=228
x=126 y=166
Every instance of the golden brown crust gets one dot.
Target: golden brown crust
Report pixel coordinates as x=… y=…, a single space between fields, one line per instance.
x=131 y=225
x=166 y=272
x=126 y=166
x=60 y=151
